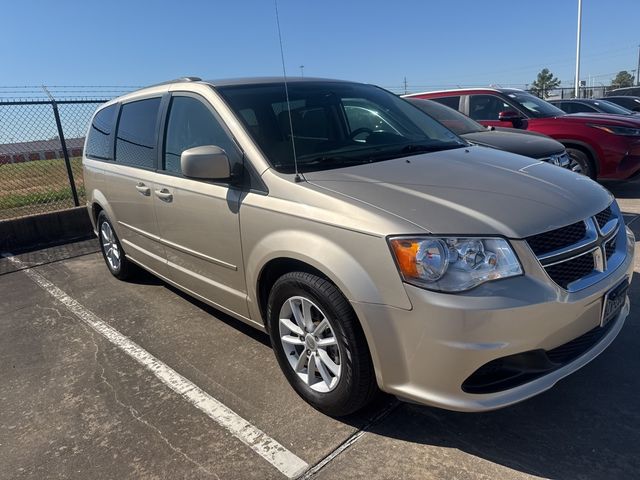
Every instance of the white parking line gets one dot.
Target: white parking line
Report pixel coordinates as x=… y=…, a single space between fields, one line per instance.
x=261 y=443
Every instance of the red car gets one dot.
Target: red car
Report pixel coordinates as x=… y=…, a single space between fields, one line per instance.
x=600 y=145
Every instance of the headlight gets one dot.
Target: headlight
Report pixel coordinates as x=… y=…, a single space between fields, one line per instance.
x=626 y=131
x=453 y=264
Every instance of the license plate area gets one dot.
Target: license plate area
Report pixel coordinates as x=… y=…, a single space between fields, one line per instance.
x=613 y=302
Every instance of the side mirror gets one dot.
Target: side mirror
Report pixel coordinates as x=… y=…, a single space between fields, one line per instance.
x=208 y=162
x=509 y=116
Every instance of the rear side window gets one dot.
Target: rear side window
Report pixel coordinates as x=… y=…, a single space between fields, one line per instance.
x=192 y=124
x=100 y=134
x=136 y=137
x=451 y=102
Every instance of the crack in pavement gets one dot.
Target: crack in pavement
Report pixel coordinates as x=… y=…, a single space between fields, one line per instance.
x=132 y=411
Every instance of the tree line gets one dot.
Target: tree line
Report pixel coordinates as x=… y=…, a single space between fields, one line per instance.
x=545 y=82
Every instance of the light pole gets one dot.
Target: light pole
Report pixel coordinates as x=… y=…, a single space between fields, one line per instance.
x=302 y=71
x=577 y=84
x=638 y=69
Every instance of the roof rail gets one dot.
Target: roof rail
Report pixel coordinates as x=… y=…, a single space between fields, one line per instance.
x=175 y=80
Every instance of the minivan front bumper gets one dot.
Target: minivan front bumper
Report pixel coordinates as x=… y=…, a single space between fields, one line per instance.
x=425 y=354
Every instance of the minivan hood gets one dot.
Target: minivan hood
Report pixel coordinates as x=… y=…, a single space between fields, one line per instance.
x=470 y=191
x=534 y=146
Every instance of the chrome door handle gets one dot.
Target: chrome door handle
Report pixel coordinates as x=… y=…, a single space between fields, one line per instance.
x=143 y=189
x=164 y=195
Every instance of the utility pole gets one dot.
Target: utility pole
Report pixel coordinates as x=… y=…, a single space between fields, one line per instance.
x=577 y=84
x=405 y=85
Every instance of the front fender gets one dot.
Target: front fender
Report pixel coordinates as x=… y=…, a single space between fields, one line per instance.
x=362 y=275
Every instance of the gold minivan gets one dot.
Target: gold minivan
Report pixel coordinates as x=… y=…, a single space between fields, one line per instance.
x=378 y=249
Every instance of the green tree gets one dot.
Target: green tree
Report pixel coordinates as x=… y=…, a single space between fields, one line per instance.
x=623 y=79
x=544 y=83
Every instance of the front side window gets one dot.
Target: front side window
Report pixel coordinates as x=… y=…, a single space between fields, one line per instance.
x=100 y=133
x=487 y=107
x=334 y=124
x=136 y=137
x=192 y=124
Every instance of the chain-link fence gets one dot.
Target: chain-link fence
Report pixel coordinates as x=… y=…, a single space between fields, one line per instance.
x=41 y=144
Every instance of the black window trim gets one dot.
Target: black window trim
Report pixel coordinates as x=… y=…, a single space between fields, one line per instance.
x=156 y=130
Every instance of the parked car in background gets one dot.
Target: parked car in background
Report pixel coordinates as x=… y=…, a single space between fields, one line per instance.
x=624 y=92
x=375 y=246
x=522 y=142
x=600 y=146
x=628 y=102
x=590 y=105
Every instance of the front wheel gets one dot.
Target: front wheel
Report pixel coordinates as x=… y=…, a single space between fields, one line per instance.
x=319 y=344
x=579 y=162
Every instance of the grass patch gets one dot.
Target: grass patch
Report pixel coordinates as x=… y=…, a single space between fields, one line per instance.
x=38 y=186
x=14 y=200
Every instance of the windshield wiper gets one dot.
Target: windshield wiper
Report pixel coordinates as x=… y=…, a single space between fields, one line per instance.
x=332 y=160
x=424 y=148
x=328 y=161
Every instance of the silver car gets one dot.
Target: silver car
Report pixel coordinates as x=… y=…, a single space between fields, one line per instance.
x=379 y=250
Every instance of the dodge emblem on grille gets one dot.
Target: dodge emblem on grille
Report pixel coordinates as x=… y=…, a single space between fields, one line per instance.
x=598 y=260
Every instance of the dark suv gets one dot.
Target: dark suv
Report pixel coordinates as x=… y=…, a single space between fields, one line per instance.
x=628 y=102
x=590 y=105
x=603 y=146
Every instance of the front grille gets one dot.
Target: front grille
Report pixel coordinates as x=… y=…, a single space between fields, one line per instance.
x=580 y=250
x=576 y=347
x=567 y=272
x=603 y=217
x=557 y=239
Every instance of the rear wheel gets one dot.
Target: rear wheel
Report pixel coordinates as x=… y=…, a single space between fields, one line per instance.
x=119 y=266
x=580 y=163
x=319 y=344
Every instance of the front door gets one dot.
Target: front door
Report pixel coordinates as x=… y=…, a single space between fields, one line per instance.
x=198 y=221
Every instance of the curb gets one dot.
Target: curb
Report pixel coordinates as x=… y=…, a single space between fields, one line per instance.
x=36 y=231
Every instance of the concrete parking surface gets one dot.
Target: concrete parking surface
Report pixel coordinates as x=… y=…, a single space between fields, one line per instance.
x=77 y=404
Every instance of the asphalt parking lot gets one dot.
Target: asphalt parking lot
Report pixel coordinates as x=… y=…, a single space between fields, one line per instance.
x=105 y=379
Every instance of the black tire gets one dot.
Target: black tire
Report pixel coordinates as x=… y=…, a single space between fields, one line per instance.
x=356 y=386
x=581 y=163
x=125 y=269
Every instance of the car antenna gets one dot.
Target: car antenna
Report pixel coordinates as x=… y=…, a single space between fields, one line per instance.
x=298 y=177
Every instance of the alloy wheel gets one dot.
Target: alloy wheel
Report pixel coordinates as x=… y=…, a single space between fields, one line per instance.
x=310 y=344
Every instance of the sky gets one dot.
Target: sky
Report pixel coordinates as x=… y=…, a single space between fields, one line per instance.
x=434 y=44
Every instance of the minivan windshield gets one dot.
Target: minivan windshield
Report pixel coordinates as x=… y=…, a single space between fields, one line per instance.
x=534 y=106
x=333 y=124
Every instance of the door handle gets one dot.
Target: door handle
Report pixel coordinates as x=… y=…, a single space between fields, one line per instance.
x=143 y=189
x=165 y=195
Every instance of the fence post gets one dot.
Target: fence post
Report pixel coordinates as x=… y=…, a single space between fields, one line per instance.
x=65 y=152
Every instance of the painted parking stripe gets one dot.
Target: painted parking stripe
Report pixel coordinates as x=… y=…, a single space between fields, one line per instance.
x=261 y=443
